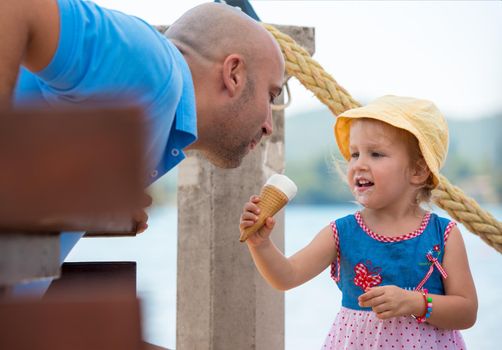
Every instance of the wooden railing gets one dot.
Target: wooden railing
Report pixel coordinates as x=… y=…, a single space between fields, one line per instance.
x=68 y=170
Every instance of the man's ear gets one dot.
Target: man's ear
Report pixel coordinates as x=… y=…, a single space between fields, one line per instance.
x=234 y=74
x=420 y=172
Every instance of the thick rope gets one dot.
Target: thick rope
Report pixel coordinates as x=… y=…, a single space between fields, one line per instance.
x=465 y=210
x=310 y=73
x=447 y=196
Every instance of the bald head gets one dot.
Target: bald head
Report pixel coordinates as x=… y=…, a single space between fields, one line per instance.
x=237 y=70
x=214 y=31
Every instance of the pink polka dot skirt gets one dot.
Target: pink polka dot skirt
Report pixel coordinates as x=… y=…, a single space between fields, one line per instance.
x=362 y=330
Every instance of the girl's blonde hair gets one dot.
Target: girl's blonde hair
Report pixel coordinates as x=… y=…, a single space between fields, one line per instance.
x=424 y=192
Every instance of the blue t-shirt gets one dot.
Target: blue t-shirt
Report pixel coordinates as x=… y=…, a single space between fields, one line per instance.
x=106 y=56
x=367 y=259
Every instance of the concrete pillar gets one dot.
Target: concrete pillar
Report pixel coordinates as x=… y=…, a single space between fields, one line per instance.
x=222 y=301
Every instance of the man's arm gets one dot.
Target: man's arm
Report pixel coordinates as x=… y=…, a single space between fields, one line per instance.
x=29 y=33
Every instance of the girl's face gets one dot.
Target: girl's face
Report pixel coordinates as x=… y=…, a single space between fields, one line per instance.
x=379 y=172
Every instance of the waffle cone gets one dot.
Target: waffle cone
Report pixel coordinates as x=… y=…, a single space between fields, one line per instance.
x=271 y=201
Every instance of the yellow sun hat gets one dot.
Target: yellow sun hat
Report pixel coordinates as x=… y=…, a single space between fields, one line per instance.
x=420 y=117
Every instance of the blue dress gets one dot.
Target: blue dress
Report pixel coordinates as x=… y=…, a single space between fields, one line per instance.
x=411 y=261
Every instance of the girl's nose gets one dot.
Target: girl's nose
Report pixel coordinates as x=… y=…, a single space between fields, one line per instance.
x=361 y=163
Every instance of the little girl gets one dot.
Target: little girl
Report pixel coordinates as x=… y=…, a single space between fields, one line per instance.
x=402 y=270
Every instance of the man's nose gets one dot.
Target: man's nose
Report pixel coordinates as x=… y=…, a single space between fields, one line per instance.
x=267 y=127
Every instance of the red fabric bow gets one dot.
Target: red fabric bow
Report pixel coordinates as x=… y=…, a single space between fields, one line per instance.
x=434 y=262
x=366 y=278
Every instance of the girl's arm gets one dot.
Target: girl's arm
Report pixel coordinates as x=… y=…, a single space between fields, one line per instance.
x=279 y=271
x=285 y=273
x=457 y=309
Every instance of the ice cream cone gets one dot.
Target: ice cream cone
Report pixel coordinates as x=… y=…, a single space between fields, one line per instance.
x=272 y=199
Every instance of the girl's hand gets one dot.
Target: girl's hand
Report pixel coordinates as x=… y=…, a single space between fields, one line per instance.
x=249 y=216
x=392 y=301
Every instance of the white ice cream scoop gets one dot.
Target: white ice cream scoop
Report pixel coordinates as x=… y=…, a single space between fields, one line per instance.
x=284 y=184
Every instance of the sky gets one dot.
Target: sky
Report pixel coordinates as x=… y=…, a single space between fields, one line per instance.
x=449 y=52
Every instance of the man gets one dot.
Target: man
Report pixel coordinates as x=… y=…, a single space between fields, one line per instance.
x=208 y=86
x=78 y=52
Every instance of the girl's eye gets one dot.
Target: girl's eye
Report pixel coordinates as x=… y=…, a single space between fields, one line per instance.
x=354 y=155
x=376 y=154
